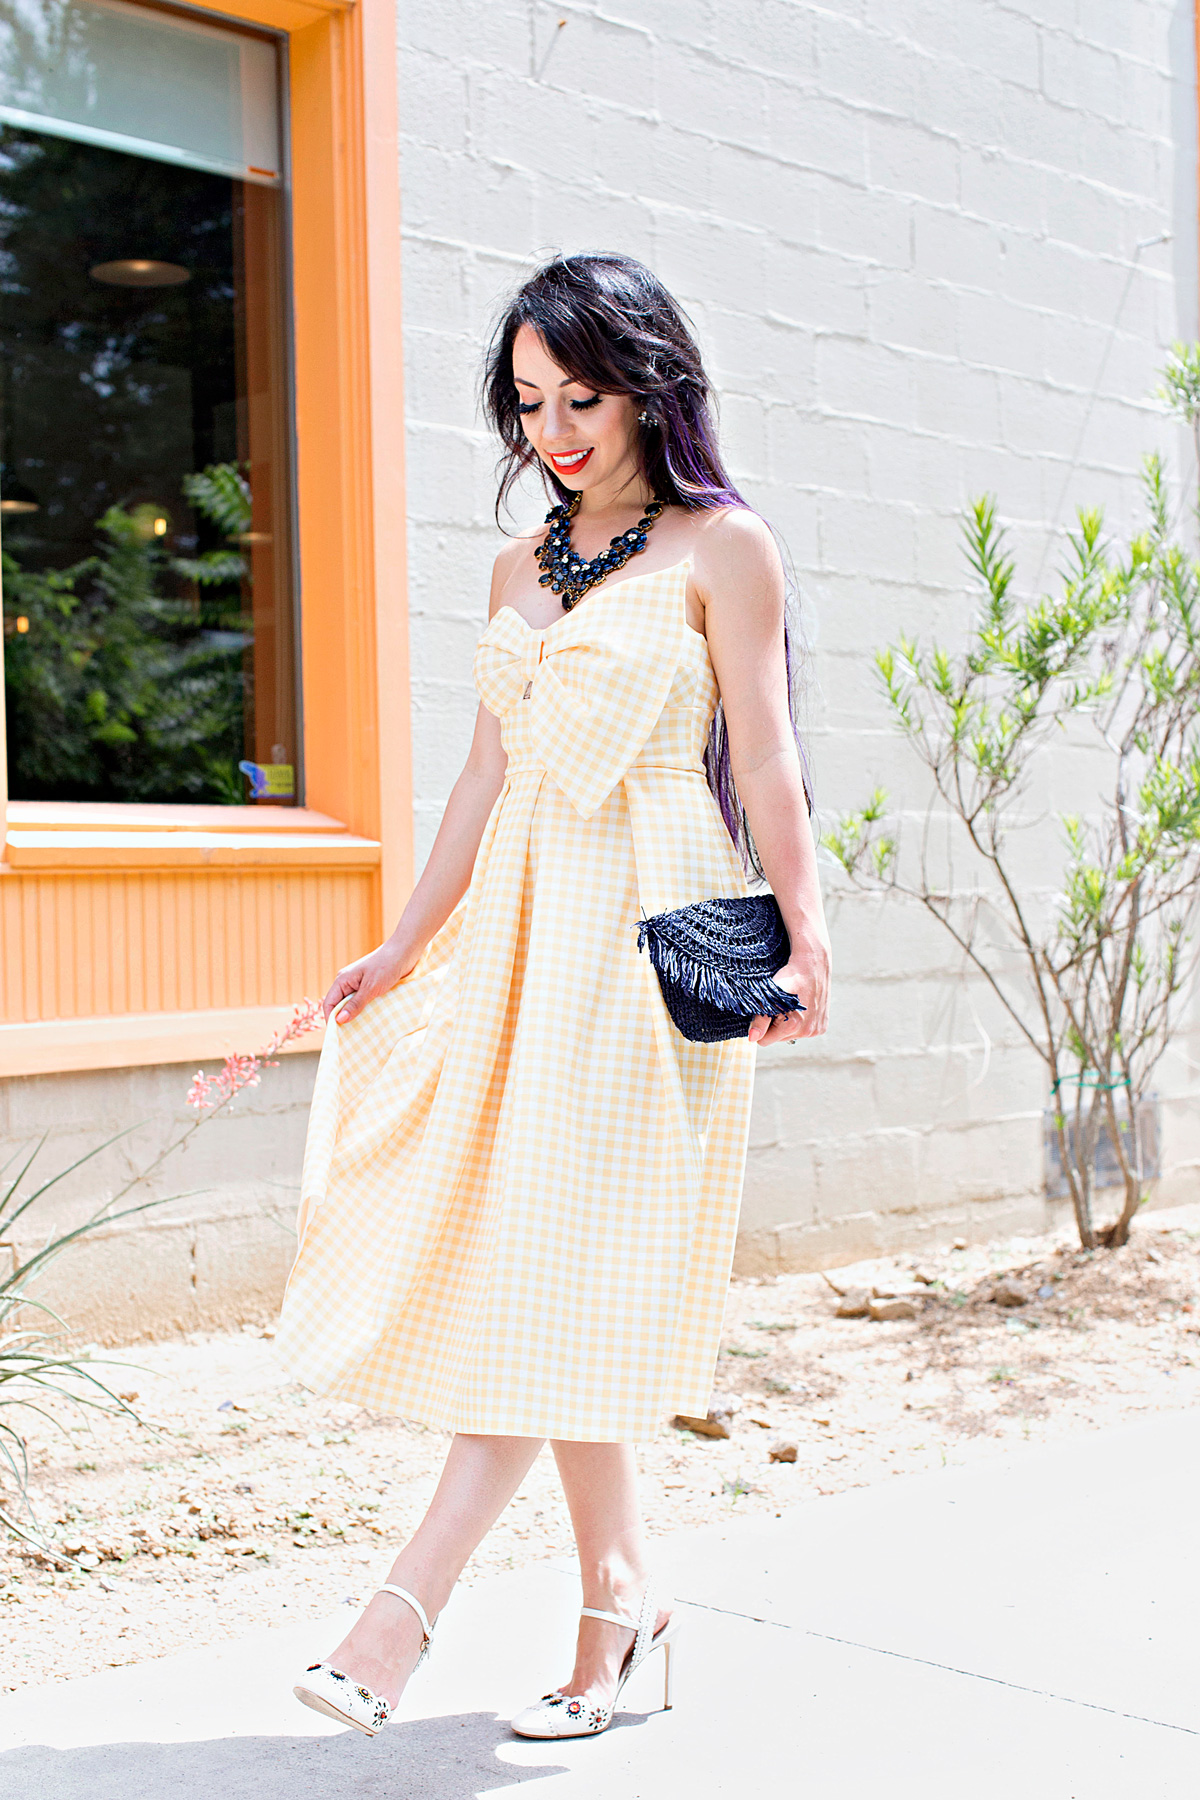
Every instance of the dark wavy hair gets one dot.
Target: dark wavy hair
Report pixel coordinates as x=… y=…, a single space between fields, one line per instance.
x=611 y=325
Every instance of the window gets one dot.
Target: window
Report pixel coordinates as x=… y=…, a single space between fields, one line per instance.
x=146 y=485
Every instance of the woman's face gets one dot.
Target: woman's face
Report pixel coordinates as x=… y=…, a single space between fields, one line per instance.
x=588 y=439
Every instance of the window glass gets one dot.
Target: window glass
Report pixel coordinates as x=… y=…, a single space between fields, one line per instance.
x=128 y=78
x=145 y=486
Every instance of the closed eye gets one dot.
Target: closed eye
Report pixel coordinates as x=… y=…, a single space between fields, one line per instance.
x=525 y=407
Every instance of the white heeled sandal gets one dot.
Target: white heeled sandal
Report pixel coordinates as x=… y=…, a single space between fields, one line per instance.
x=328 y=1691
x=574 y=1715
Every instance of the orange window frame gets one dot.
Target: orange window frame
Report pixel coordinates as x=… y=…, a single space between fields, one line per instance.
x=137 y=934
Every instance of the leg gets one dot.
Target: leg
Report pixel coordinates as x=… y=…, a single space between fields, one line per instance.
x=480 y=1477
x=600 y=1483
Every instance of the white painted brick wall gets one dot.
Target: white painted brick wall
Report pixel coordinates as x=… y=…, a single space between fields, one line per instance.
x=916 y=243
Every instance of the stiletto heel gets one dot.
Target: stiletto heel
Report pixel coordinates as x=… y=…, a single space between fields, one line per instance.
x=572 y=1715
x=327 y=1690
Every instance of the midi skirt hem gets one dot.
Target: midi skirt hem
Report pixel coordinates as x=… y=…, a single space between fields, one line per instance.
x=636 y=1428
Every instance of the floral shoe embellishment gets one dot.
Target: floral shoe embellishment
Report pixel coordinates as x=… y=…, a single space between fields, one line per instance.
x=332 y=1692
x=358 y=1704
x=560 y=1715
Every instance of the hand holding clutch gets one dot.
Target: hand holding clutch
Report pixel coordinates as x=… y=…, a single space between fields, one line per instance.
x=715 y=961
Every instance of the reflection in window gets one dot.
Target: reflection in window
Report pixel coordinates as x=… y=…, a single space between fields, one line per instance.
x=145 y=486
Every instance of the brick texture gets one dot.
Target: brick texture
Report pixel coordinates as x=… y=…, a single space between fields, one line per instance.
x=924 y=247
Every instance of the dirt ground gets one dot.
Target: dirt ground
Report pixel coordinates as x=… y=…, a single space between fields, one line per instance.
x=241 y=1501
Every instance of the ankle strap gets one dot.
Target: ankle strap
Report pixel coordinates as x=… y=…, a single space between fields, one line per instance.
x=592 y=1612
x=642 y=1626
x=387 y=1587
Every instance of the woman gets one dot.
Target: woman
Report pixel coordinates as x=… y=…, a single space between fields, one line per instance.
x=521 y=1185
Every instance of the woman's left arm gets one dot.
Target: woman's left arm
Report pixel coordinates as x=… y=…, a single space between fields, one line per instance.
x=739 y=579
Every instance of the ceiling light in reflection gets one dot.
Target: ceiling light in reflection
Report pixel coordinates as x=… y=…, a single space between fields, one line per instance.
x=140 y=272
x=15 y=497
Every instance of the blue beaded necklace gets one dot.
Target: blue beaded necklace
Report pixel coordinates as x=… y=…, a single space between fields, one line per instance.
x=567 y=573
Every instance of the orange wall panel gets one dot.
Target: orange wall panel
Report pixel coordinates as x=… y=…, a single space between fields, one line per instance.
x=201 y=941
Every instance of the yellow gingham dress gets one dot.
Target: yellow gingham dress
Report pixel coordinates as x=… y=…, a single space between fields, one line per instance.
x=521 y=1184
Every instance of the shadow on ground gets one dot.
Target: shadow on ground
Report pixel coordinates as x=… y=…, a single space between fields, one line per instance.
x=449 y=1758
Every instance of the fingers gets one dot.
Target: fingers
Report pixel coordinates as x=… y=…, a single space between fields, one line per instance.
x=347 y=983
x=775 y=1029
x=352 y=1007
x=358 y=997
x=788 y=1028
x=782 y=1030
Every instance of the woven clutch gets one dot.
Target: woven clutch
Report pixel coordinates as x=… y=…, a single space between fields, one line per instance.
x=715 y=962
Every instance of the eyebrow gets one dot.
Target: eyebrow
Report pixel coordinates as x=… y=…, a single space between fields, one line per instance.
x=565 y=382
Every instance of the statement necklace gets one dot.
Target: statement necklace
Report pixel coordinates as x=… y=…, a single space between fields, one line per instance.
x=568 y=574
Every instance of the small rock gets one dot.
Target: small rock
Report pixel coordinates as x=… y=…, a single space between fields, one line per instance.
x=1046 y=1291
x=1153 y=1256
x=924 y=1277
x=854 y=1305
x=243 y=1487
x=897 y=1308
x=897 y=1290
x=959 y=1244
x=783 y=1451
x=717 y=1424
x=1010 y=1293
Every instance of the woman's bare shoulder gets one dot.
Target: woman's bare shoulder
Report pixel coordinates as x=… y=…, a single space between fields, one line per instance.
x=513 y=558
x=734 y=545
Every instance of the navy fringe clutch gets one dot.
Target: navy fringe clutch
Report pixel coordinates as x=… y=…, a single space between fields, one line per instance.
x=715 y=962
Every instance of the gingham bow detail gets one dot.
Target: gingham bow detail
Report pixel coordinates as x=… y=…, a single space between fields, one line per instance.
x=596 y=683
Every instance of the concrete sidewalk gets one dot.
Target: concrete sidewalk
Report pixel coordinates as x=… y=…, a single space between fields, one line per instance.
x=1028 y=1629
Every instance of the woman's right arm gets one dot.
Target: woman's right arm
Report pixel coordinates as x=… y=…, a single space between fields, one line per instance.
x=447 y=874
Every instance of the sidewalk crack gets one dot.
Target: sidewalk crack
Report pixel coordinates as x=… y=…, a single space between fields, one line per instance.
x=927 y=1662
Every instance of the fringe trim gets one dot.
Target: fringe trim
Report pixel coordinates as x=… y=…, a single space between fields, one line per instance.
x=743 y=995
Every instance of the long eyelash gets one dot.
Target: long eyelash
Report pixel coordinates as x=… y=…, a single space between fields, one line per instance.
x=525 y=407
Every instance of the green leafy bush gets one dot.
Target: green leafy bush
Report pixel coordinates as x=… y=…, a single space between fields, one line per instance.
x=1092 y=972
x=119 y=689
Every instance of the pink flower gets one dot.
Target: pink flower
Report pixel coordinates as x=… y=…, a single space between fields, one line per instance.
x=243 y=1069
x=198 y=1093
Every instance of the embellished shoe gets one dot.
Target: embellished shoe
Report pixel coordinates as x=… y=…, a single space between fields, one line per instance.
x=574 y=1715
x=328 y=1691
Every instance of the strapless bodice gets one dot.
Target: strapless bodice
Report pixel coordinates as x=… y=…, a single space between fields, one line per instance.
x=620 y=683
